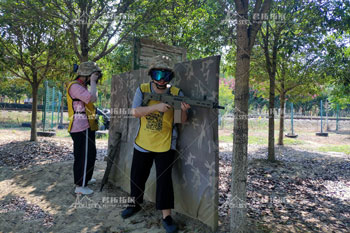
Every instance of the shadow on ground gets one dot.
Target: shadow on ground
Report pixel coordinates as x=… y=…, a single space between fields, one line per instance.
x=42 y=198
x=302 y=192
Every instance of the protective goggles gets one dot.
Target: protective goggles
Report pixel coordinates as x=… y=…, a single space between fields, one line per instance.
x=158 y=75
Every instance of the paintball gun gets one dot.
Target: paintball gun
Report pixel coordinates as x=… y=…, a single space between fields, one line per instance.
x=176 y=101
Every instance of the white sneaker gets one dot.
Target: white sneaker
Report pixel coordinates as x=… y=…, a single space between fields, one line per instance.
x=83 y=190
x=92 y=181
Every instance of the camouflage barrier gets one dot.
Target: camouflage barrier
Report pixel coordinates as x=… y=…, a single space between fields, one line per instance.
x=195 y=171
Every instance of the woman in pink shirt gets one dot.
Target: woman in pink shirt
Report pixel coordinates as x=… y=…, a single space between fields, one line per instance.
x=82 y=125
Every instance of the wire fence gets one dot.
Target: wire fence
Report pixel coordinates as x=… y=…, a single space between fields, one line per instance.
x=320 y=118
x=52 y=109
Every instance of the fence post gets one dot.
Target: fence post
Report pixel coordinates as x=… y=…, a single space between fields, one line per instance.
x=53 y=106
x=59 y=107
x=44 y=105
x=326 y=108
x=321 y=117
x=291 y=118
x=337 y=124
x=100 y=100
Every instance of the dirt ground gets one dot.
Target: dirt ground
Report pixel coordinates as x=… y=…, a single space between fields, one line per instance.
x=42 y=199
x=37 y=192
x=306 y=191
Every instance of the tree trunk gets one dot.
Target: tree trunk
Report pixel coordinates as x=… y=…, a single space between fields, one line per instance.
x=271 y=143
x=33 y=136
x=84 y=34
x=240 y=143
x=246 y=36
x=282 y=101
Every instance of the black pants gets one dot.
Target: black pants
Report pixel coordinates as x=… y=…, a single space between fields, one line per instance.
x=84 y=161
x=140 y=169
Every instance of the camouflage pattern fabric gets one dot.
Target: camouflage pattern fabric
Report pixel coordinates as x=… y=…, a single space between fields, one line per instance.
x=161 y=62
x=195 y=171
x=87 y=68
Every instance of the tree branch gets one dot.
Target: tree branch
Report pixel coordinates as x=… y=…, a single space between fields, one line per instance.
x=98 y=14
x=70 y=7
x=16 y=74
x=292 y=87
x=278 y=89
x=255 y=27
x=274 y=52
x=74 y=41
x=109 y=38
x=57 y=5
x=266 y=49
x=105 y=51
x=50 y=15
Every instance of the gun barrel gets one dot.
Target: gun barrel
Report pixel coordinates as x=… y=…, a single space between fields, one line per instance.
x=203 y=103
x=178 y=99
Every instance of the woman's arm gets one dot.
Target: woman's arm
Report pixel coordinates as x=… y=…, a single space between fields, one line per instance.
x=93 y=90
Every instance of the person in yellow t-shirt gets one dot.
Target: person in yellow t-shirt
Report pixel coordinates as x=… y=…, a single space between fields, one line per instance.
x=155 y=141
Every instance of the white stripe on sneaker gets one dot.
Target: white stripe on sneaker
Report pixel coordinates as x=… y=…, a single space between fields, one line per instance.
x=86 y=155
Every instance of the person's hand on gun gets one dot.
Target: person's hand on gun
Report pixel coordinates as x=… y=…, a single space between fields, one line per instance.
x=184 y=106
x=162 y=107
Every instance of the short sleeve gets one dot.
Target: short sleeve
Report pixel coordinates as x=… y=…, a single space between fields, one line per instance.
x=76 y=91
x=137 y=102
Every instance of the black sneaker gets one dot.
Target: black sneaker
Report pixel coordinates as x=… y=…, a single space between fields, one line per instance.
x=129 y=211
x=169 y=225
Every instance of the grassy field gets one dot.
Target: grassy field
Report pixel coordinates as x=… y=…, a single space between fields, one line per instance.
x=340 y=148
x=306 y=130
x=258 y=132
x=14 y=119
x=260 y=140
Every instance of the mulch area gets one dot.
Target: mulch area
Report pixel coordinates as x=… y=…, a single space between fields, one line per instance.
x=304 y=191
x=31 y=211
x=18 y=153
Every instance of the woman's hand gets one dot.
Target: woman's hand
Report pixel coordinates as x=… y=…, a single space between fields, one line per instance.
x=93 y=90
x=94 y=77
